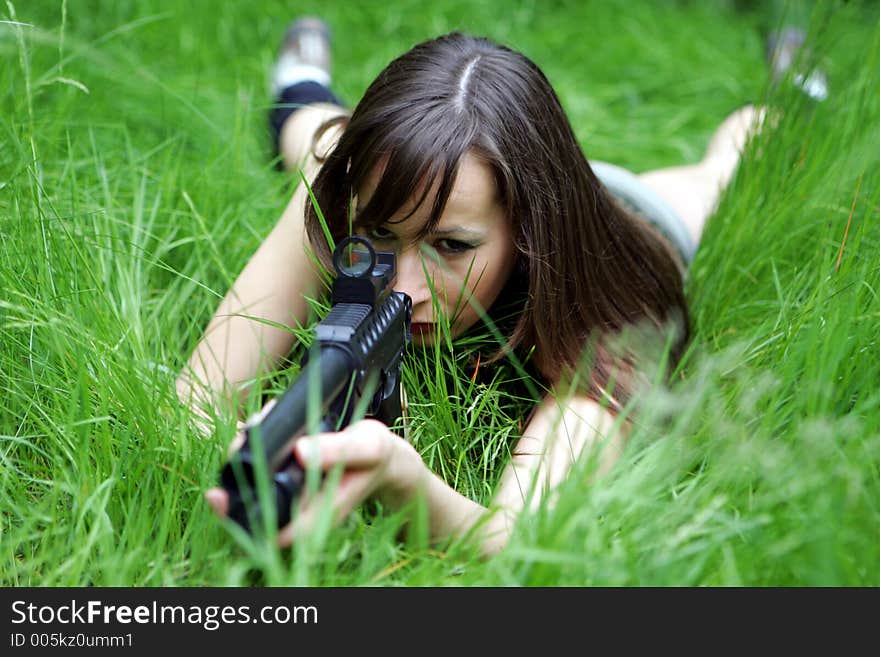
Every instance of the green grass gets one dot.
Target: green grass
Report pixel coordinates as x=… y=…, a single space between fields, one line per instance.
x=135 y=182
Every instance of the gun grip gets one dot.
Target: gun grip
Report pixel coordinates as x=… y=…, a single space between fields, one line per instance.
x=390 y=410
x=288 y=483
x=239 y=481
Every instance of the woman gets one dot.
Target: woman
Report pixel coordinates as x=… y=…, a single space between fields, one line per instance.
x=460 y=159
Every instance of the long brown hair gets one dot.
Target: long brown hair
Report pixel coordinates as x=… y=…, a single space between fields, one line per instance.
x=589 y=267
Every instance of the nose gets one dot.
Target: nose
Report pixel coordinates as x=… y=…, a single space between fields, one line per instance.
x=411 y=275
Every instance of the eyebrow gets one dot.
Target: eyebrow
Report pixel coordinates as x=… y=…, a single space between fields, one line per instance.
x=460 y=230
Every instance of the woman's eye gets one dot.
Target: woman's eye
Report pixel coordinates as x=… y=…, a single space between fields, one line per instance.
x=381 y=234
x=454 y=246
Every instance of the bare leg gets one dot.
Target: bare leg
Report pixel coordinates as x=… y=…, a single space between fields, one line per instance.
x=694 y=190
x=298 y=132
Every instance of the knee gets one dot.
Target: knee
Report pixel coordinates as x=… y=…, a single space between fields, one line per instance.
x=297 y=139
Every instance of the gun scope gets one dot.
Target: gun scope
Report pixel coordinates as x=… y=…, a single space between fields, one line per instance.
x=365 y=275
x=354 y=257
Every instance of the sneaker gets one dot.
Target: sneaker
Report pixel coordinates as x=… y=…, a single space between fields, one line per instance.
x=304 y=55
x=783 y=49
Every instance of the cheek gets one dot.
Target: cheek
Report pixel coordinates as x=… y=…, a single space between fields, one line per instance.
x=488 y=275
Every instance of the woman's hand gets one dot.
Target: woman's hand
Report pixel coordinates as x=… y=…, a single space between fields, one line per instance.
x=375 y=462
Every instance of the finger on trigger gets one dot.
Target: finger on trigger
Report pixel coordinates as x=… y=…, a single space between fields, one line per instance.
x=353 y=451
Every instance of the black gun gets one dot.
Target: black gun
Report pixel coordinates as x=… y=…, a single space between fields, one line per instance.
x=355 y=361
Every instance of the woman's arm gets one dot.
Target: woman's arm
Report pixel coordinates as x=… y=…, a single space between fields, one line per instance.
x=558 y=434
x=240 y=342
x=379 y=463
x=236 y=346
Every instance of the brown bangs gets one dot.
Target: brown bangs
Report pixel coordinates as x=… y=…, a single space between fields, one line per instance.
x=418 y=157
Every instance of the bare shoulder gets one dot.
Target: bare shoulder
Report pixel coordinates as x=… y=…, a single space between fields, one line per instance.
x=569 y=425
x=560 y=432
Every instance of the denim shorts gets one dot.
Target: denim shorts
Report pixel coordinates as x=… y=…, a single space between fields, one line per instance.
x=646 y=203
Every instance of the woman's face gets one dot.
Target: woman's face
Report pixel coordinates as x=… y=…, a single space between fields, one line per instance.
x=468 y=257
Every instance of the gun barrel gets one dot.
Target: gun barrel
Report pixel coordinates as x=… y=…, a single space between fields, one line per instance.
x=327 y=373
x=331 y=370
